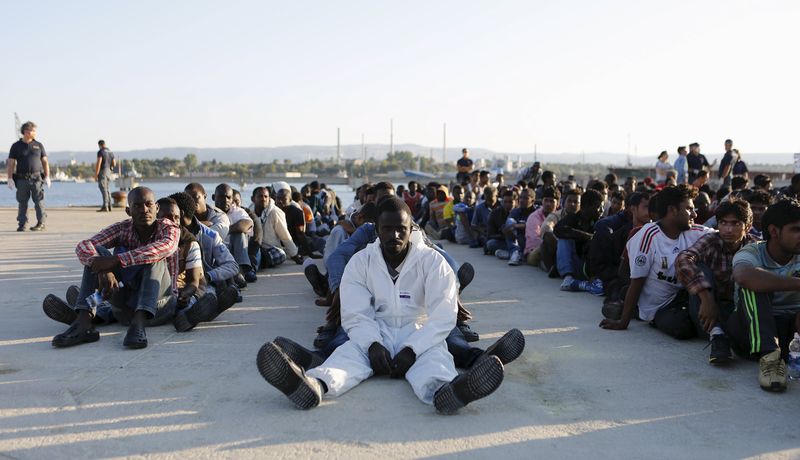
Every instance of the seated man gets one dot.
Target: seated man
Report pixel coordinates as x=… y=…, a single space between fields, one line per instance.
x=193 y=303
x=440 y=223
x=706 y=269
x=239 y=231
x=276 y=242
x=574 y=233
x=572 y=204
x=219 y=266
x=399 y=305
x=652 y=251
x=464 y=212
x=768 y=294
x=514 y=229
x=209 y=216
x=144 y=260
x=254 y=243
x=495 y=239
x=339 y=234
x=480 y=218
x=533 y=226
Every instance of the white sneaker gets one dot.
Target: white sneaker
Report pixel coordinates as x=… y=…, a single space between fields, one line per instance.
x=514 y=258
x=566 y=285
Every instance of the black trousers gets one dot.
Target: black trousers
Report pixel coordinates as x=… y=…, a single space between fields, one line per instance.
x=674 y=319
x=756 y=328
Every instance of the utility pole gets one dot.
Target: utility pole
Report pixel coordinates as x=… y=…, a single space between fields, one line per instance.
x=338 y=147
x=391 y=136
x=535 y=153
x=444 y=143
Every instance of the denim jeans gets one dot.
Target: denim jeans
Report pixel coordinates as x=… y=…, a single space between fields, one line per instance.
x=102 y=183
x=146 y=287
x=238 y=246
x=28 y=189
x=567 y=260
x=493 y=245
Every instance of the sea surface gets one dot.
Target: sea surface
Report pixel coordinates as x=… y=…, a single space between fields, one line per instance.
x=66 y=194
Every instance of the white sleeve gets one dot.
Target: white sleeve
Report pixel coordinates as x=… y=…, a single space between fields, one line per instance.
x=193 y=258
x=357 y=311
x=639 y=258
x=441 y=306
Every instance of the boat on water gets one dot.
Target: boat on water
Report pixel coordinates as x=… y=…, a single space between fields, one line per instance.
x=61 y=176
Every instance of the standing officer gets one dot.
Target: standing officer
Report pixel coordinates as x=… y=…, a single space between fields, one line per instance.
x=27 y=155
x=102 y=172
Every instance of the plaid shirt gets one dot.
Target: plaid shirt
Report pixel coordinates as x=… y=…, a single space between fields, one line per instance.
x=710 y=251
x=163 y=244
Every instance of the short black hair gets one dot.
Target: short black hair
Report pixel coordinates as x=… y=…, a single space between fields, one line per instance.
x=619 y=195
x=369 y=212
x=384 y=186
x=572 y=191
x=736 y=207
x=186 y=203
x=196 y=186
x=550 y=192
x=255 y=191
x=673 y=196
x=392 y=203
x=548 y=175
x=738 y=182
x=636 y=198
x=591 y=198
x=598 y=185
x=760 y=197
x=762 y=180
x=784 y=212
x=511 y=193
x=166 y=201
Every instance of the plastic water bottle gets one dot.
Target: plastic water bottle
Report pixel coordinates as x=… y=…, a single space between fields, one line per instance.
x=794 y=357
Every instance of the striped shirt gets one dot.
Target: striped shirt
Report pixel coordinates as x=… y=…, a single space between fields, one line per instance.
x=163 y=244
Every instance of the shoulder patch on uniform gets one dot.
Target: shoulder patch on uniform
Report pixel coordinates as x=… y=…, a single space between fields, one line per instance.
x=640 y=260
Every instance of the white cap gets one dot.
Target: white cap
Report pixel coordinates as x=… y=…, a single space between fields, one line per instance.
x=280 y=185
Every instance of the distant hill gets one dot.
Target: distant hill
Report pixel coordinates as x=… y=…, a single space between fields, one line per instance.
x=299 y=153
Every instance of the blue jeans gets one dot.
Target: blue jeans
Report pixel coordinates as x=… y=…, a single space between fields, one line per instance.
x=146 y=287
x=567 y=260
x=494 y=244
x=238 y=245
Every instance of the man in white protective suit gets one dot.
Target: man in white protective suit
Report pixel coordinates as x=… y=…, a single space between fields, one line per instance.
x=398 y=304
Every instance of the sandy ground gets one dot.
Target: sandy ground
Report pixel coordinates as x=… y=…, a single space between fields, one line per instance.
x=577 y=391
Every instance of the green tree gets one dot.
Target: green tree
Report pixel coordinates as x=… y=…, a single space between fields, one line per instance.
x=190 y=160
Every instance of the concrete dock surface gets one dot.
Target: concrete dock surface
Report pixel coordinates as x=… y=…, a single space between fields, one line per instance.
x=576 y=392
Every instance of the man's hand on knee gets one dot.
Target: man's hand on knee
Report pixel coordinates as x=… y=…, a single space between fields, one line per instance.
x=379 y=359
x=102 y=264
x=108 y=284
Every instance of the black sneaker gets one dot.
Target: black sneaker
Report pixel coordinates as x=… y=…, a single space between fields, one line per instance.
x=72 y=295
x=38 y=227
x=465 y=274
x=301 y=356
x=507 y=348
x=226 y=299
x=202 y=310
x=720 y=350
x=239 y=281
x=250 y=276
x=478 y=382
x=316 y=279
x=21 y=228
x=58 y=310
x=469 y=334
x=75 y=335
x=282 y=373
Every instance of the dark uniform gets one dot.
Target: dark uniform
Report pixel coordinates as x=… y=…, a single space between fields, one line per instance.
x=29 y=179
x=696 y=163
x=106 y=158
x=462 y=176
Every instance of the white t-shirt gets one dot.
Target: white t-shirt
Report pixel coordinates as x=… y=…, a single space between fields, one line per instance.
x=652 y=255
x=194 y=259
x=235 y=214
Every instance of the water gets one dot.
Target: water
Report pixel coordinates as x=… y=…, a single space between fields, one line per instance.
x=66 y=194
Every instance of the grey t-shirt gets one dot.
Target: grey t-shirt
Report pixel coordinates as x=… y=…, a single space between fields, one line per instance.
x=755 y=255
x=106 y=157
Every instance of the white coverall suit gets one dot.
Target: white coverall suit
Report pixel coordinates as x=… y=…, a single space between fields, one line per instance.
x=418 y=311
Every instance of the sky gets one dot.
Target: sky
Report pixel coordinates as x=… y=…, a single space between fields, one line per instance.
x=565 y=76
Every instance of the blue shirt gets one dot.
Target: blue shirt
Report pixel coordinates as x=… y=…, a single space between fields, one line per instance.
x=680 y=165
